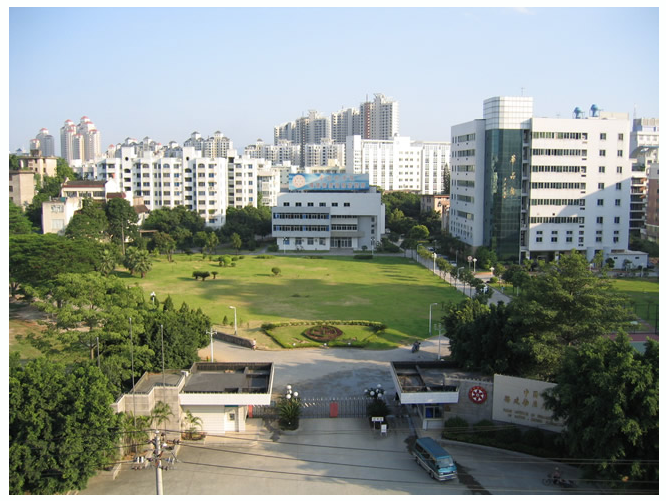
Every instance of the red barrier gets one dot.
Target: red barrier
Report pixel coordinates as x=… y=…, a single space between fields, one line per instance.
x=334 y=409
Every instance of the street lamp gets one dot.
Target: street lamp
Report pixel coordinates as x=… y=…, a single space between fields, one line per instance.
x=372 y=246
x=376 y=393
x=474 y=264
x=439 y=342
x=469 y=261
x=430 y=320
x=285 y=240
x=290 y=393
x=434 y=256
x=235 y=326
x=212 y=358
x=152 y=296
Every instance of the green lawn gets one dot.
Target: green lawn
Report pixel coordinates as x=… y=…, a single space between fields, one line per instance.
x=392 y=290
x=643 y=294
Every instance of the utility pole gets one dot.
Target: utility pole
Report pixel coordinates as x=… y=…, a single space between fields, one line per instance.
x=158 y=465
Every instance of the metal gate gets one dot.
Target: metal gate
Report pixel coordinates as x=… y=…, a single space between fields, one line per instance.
x=348 y=407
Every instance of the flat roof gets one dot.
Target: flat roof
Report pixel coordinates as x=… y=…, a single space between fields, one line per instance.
x=222 y=377
x=424 y=376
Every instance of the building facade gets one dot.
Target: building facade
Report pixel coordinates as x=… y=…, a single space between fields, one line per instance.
x=400 y=164
x=644 y=146
x=328 y=218
x=530 y=187
x=380 y=118
x=21 y=187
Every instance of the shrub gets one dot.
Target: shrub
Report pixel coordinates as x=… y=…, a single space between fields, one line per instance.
x=363 y=256
x=454 y=428
x=264 y=256
x=485 y=429
x=276 y=271
x=508 y=436
x=533 y=437
x=273 y=248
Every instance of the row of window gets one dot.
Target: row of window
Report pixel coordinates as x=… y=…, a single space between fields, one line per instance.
x=463 y=153
x=558 y=186
x=558 y=152
x=281 y=215
x=464 y=138
x=311 y=204
x=559 y=135
x=557 y=201
x=557 y=220
x=559 y=168
x=287 y=227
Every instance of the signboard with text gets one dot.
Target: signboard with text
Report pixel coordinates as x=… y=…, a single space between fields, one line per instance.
x=329 y=182
x=520 y=401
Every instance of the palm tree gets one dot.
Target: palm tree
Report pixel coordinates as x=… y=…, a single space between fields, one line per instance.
x=142 y=263
x=191 y=423
x=160 y=414
x=134 y=432
x=107 y=262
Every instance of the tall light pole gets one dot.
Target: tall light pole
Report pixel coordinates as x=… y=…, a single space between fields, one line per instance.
x=474 y=260
x=235 y=327
x=434 y=256
x=212 y=359
x=152 y=296
x=439 y=343
x=132 y=354
x=163 y=381
x=430 y=320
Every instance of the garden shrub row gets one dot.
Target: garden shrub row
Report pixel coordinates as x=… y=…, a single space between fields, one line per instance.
x=376 y=326
x=531 y=441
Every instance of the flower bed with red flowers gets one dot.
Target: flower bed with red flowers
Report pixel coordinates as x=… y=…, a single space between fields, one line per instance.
x=322 y=333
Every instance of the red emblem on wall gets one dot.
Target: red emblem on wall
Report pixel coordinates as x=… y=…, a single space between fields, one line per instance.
x=478 y=394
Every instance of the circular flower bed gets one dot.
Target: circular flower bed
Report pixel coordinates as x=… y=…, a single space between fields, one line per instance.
x=322 y=333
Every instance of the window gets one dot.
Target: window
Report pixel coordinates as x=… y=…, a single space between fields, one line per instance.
x=298 y=204
x=620 y=137
x=346 y=204
x=310 y=241
x=285 y=204
x=619 y=169
x=615 y=240
x=602 y=136
x=602 y=153
x=600 y=219
x=620 y=153
x=600 y=201
x=617 y=202
x=602 y=168
x=334 y=204
x=601 y=186
x=322 y=204
x=618 y=186
x=553 y=239
x=539 y=239
x=617 y=220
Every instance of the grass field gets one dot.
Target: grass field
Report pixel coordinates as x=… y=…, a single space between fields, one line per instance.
x=391 y=290
x=644 y=295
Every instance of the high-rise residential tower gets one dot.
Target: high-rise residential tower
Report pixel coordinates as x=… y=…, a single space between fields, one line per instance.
x=380 y=118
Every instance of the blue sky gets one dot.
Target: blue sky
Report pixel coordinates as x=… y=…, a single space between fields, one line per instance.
x=166 y=72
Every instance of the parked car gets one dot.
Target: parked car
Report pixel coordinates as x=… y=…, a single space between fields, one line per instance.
x=434 y=459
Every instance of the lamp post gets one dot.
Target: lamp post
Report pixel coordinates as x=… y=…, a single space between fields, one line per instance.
x=492 y=271
x=284 y=244
x=430 y=320
x=212 y=358
x=152 y=297
x=132 y=355
x=235 y=325
x=474 y=260
x=469 y=261
x=439 y=341
x=372 y=246
x=434 y=256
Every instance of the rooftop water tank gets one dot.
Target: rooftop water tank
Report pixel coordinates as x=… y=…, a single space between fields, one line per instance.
x=577 y=112
x=594 y=110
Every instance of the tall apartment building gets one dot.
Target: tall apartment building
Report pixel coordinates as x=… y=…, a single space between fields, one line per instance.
x=80 y=143
x=346 y=122
x=531 y=187
x=305 y=130
x=400 y=164
x=284 y=153
x=325 y=153
x=44 y=143
x=380 y=119
x=216 y=146
x=644 y=146
x=173 y=175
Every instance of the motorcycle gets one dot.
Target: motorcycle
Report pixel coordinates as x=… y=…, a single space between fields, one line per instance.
x=550 y=480
x=416 y=346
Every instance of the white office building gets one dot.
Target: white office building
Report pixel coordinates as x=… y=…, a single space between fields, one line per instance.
x=329 y=215
x=531 y=187
x=400 y=163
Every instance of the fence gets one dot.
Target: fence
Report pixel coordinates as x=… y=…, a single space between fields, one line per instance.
x=348 y=407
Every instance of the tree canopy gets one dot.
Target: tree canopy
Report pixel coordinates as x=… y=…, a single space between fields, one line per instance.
x=607 y=395
x=180 y=223
x=62 y=428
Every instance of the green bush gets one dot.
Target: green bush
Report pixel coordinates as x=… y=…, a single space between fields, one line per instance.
x=484 y=428
x=273 y=248
x=264 y=256
x=533 y=438
x=508 y=436
x=455 y=428
x=363 y=256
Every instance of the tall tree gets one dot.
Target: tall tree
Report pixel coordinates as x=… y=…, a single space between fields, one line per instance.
x=88 y=222
x=62 y=428
x=607 y=395
x=138 y=260
x=122 y=219
x=19 y=224
x=165 y=244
